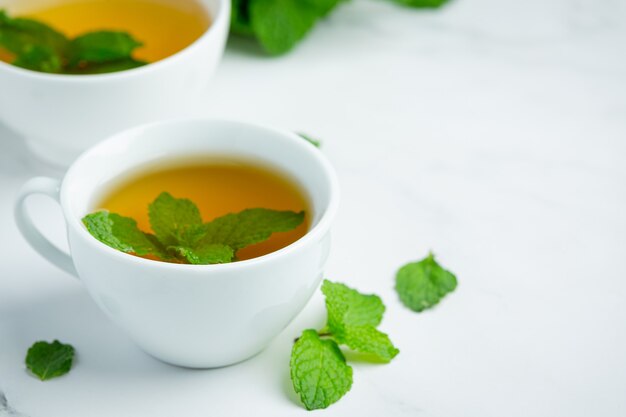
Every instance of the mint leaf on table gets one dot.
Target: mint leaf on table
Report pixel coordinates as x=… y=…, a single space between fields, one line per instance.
x=122 y=233
x=319 y=371
x=171 y=218
x=240 y=18
x=101 y=46
x=422 y=3
x=352 y=321
x=280 y=24
x=423 y=284
x=311 y=140
x=368 y=340
x=49 y=360
x=324 y=7
x=248 y=227
x=347 y=306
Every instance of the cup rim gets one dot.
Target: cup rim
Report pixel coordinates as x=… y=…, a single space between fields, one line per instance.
x=217 y=20
x=316 y=232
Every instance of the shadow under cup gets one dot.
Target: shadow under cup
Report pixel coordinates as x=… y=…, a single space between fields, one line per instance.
x=201 y=315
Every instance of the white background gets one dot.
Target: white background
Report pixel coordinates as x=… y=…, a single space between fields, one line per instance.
x=492 y=132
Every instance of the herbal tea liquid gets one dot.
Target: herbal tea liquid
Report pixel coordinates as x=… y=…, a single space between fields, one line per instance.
x=163 y=26
x=217 y=188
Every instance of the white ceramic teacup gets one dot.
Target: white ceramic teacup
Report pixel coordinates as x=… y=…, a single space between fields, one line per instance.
x=60 y=116
x=191 y=315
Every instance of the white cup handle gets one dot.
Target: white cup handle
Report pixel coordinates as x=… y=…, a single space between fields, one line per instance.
x=50 y=187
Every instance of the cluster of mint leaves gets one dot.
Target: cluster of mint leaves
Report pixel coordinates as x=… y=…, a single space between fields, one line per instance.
x=279 y=25
x=318 y=368
x=181 y=236
x=39 y=47
x=49 y=360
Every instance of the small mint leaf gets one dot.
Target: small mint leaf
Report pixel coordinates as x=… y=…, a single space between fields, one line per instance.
x=421 y=285
x=49 y=360
x=368 y=340
x=122 y=233
x=319 y=371
x=248 y=227
x=171 y=218
x=348 y=307
x=100 y=47
x=311 y=140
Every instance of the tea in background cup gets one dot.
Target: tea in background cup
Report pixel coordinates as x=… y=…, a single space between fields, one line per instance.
x=192 y=315
x=61 y=115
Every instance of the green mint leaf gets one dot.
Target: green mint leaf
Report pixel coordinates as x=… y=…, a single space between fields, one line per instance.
x=348 y=307
x=311 y=140
x=280 y=24
x=49 y=360
x=352 y=320
x=423 y=284
x=39 y=58
x=240 y=18
x=324 y=7
x=171 y=218
x=422 y=3
x=205 y=255
x=368 y=340
x=319 y=371
x=20 y=35
x=247 y=227
x=106 y=67
x=102 y=46
x=122 y=233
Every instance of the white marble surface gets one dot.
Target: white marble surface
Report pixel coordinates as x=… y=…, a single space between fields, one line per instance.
x=492 y=131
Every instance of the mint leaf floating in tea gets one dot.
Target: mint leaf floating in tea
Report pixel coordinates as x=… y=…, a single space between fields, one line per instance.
x=181 y=236
x=171 y=218
x=106 y=67
x=423 y=284
x=319 y=371
x=122 y=233
x=352 y=321
x=103 y=47
x=248 y=227
x=49 y=360
x=39 y=58
x=208 y=254
x=35 y=45
x=39 y=47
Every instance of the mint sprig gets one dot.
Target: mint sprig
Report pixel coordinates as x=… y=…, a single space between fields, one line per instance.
x=39 y=47
x=49 y=360
x=181 y=236
x=319 y=373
